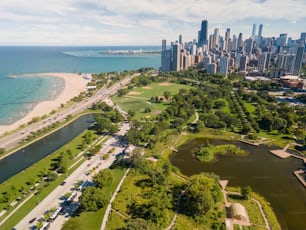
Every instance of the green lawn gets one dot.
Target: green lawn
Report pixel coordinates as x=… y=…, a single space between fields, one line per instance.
x=250 y=107
x=138 y=98
x=226 y=108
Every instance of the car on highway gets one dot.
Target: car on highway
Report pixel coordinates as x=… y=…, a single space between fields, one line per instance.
x=32 y=220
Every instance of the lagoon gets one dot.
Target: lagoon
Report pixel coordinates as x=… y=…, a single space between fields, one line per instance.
x=24 y=158
x=267 y=174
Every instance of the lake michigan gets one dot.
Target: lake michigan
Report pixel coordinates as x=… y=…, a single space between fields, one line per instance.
x=18 y=95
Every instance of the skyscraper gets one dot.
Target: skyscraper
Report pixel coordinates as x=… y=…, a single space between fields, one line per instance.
x=259 y=37
x=254 y=31
x=298 y=60
x=165 y=57
x=211 y=68
x=203 y=33
x=249 y=43
x=262 y=62
x=268 y=59
x=240 y=42
x=224 y=65
x=303 y=37
x=227 y=38
x=215 y=42
x=180 y=39
x=243 y=63
x=176 y=57
x=282 y=40
x=164 y=45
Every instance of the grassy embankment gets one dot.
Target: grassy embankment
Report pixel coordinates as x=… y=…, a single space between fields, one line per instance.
x=23 y=184
x=35 y=136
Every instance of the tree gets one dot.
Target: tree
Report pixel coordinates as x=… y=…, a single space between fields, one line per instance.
x=167 y=95
x=39 y=224
x=246 y=192
x=92 y=199
x=198 y=198
x=103 y=178
x=219 y=104
x=136 y=224
x=72 y=224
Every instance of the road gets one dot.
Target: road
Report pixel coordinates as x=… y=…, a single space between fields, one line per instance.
x=55 y=198
x=15 y=138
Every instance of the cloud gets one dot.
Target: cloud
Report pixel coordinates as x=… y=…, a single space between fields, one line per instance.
x=140 y=21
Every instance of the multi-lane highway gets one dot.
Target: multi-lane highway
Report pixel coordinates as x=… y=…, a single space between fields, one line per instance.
x=55 y=199
x=13 y=139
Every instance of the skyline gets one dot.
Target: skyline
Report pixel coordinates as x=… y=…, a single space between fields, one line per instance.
x=141 y=22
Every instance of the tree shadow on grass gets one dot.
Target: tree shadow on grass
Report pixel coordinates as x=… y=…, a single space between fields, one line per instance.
x=235 y=196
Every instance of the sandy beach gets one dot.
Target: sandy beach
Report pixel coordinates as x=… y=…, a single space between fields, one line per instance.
x=74 y=85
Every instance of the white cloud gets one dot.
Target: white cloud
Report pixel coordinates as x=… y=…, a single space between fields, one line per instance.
x=140 y=21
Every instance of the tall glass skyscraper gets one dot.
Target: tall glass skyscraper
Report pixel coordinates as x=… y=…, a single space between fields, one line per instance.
x=203 y=33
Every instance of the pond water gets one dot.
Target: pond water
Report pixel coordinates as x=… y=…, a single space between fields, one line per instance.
x=267 y=174
x=22 y=159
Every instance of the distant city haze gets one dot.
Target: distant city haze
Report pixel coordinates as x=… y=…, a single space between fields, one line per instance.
x=141 y=22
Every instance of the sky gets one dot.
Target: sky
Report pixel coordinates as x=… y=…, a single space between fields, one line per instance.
x=141 y=22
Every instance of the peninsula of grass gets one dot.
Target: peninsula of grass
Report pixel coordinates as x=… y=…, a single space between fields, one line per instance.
x=208 y=153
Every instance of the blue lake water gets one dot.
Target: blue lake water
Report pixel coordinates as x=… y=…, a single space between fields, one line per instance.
x=19 y=95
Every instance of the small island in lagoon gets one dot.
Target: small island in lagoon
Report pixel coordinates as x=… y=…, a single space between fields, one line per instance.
x=208 y=152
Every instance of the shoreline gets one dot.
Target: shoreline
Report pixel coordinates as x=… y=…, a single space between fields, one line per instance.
x=74 y=84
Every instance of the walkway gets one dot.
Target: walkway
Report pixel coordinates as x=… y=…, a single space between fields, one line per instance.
x=109 y=206
x=17 y=207
x=230 y=221
x=301 y=178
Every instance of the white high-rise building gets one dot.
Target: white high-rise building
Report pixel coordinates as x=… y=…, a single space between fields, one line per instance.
x=215 y=42
x=254 y=31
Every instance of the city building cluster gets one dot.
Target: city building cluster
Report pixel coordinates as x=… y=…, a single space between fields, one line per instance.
x=255 y=56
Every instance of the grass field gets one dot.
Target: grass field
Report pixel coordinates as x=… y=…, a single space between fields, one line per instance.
x=250 y=107
x=138 y=98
